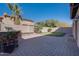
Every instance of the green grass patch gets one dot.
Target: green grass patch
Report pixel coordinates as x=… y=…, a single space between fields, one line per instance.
x=58 y=34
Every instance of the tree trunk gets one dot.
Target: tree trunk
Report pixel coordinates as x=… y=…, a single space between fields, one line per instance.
x=17 y=20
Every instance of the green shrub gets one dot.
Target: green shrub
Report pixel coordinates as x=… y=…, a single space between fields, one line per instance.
x=49 y=30
x=37 y=29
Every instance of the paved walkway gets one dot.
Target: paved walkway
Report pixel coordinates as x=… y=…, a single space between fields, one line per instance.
x=37 y=45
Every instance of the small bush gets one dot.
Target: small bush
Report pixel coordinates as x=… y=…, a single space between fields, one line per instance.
x=49 y=30
x=37 y=29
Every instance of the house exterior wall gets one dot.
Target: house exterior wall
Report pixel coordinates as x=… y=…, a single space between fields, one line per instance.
x=77 y=14
x=75 y=17
x=74 y=30
x=78 y=33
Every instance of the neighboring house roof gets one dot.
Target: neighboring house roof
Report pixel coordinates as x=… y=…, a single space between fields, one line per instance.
x=27 y=20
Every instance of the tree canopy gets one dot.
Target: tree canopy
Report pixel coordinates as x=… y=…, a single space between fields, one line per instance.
x=52 y=23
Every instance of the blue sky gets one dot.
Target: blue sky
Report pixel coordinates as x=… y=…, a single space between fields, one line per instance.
x=42 y=11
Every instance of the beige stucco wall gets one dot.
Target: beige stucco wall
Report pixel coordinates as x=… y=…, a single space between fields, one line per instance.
x=24 y=29
x=45 y=29
x=27 y=22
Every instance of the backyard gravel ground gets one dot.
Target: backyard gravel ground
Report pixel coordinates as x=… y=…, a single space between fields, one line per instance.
x=39 y=45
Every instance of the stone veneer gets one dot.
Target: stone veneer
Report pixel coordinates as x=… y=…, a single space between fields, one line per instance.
x=9 y=41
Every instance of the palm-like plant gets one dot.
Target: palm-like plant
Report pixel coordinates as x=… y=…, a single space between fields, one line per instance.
x=11 y=8
x=15 y=11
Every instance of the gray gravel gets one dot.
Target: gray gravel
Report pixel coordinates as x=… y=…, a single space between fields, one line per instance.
x=46 y=46
x=38 y=45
